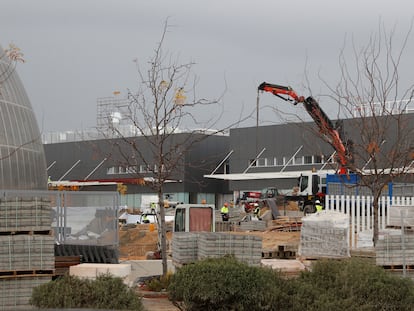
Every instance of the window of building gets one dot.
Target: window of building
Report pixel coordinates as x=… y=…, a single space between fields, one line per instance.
x=308 y=159
x=298 y=160
x=317 y=159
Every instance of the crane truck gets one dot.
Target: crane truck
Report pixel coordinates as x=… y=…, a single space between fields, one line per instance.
x=312 y=186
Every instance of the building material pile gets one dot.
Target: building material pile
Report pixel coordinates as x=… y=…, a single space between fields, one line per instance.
x=401 y=216
x=325 y=235
x=184 y=247
x=394 y=248
x=26 y=249
x=253 y=225
x=189 y=247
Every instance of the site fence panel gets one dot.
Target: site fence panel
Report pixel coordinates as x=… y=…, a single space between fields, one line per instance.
x=360 y=211
x=80 y=218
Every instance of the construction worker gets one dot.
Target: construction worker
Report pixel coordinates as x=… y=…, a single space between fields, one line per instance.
x=153 y=207
x=256 y=211
x=318 y=206
x=225 y=212
x=145 y=219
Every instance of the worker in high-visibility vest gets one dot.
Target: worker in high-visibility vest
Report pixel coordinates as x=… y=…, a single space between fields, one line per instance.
x=145 y=219
x=318 y=206
x=257 y=211
x=225 y=212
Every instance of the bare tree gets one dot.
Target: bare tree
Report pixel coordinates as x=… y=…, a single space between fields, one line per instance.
x=370 y=91
x=8 y=61
x=370 y=96
x=163 y=106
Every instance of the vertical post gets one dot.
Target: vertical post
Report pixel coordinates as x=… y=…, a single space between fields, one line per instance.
x=403 y=241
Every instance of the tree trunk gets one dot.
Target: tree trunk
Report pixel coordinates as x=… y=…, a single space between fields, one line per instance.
x=375 y=228
x=162 y=233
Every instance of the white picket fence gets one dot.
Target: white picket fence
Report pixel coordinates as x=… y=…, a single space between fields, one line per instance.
x=360 y=211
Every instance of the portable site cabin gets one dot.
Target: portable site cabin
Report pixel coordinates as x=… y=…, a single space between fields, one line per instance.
x=194 y=218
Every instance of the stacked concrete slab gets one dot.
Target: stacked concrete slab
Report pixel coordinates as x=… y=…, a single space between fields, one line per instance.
x=18 y=214
x=26 y=249
x=401 y=216
x=189 y=247
x=325 y=235
x=254 y=225
x=394 y=248
x=245 y=248
x=184 y=247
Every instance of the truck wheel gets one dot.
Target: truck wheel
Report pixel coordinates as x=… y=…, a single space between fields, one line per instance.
x=309 y=209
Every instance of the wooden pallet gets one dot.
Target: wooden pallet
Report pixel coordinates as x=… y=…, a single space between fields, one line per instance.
x=25 y=273
x=63 y=264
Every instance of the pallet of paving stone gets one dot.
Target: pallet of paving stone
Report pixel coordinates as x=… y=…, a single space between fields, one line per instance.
x=15 y=216
x=35 y=251
x=395 y=212
x=224 y=226
x=184 y=247
x=391 y=249
x=15 y=293
x=258 y=225
x=324 y=235
x=246 y=248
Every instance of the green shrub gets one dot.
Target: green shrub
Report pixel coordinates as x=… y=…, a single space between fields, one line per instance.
x=106 y=292
x=351 y=285
x=157 y=284
x=227 y=284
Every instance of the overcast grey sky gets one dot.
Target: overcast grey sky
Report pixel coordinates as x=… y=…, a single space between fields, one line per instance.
x=80 y=50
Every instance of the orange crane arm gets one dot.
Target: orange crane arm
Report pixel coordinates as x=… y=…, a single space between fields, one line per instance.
x=325 y=125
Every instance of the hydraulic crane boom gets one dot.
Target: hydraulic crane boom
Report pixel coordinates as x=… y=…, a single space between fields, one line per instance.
x=325 y=125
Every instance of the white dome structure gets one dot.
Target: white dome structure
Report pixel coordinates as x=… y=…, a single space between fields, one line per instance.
x=22 y=158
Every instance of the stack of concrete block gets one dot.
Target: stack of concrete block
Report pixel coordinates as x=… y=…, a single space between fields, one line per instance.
x=401 y=216
x=33 y=214
x=184 y=247
x=245 y=248
x=15 y=292
x=189 y=247
x=254 y=225
x=325 y=235
x=27 y=255
x=394 y=248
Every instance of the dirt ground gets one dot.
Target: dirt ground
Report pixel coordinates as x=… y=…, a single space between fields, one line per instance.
x=136 y=241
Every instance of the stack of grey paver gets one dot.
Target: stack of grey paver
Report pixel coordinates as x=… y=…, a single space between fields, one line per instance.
x=25 y=215
x=245 y=248
x=189 y=247
x=394 y=248
x=258 y=225
x=325 y=235
x=184 y=247
x=26 y=249
x=401 y=216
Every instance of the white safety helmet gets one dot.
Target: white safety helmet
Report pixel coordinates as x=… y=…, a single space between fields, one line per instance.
x=318 y=202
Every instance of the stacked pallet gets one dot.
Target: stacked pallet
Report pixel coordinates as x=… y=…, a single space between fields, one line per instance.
x=324 y=235
x=184 y=247
x=26 y=249
x=246 y=248
x=401 y=216
x=254 y=225
x=189 y=247
x=393 y=248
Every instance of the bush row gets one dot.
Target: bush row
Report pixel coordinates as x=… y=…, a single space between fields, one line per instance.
x=106 y=292
x=226 y=284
